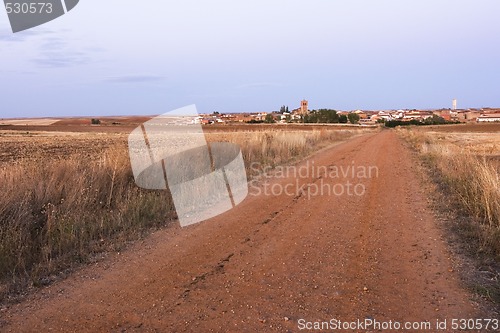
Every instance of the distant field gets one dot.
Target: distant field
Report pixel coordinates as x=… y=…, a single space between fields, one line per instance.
x=127 y=124
x=29 y=122
x=481 y=140
x=81 y=124
x=77 y=137
x=464 y=128
x=479 y=143
x=19 y=147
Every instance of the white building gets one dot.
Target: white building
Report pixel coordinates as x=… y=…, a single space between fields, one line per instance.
x=488 y=118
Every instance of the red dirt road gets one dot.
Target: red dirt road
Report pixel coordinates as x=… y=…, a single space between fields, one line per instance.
x=272 y=261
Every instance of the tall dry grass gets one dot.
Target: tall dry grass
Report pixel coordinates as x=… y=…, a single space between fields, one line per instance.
x=53 y=214
x=56 y=212
x=473 y=179
x=279 y=147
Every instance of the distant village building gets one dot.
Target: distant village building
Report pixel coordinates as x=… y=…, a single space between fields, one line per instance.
x=471 y=115
x=412 y=115
x=483 y=115
x=443 y=113
x=304 y=107
x=361 y=114
x=261 y=116
x=489 y=118
x=302 y=110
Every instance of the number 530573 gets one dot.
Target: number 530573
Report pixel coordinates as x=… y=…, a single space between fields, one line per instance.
x=28 y=8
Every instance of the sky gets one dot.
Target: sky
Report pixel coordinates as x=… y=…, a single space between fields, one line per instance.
x=123 y=57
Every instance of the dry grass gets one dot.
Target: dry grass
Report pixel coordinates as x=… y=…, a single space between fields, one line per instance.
x=67 y=198
x=468 y=165
x=53 y=214
x=278 y=147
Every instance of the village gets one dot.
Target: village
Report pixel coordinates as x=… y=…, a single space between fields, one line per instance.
x=363 y=117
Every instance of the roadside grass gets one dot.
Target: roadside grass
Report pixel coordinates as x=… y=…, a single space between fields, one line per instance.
x=54 y=214
x=61 y=211
x=472 y=177
x=490 y=292
x=465 y=169
x=275 y=147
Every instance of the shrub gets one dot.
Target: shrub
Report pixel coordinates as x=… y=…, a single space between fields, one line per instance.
x=353 y=117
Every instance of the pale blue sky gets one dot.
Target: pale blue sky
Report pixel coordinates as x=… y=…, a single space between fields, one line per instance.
x=118 y=57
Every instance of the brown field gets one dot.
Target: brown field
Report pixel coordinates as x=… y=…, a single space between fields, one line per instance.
x=20 y=147
x=482 y=140
x=464 y=128
x=125 y=125
x=74 y=125
x=28 y=122
x=76 y=136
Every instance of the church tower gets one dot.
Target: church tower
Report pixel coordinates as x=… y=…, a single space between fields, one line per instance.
x=304 y=107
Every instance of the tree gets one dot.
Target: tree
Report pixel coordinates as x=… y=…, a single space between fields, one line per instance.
x=353 y=117
x=321 y=116
x=435 y=120
x=343 y=119
x=282 y=109
x=95 y=121
x=327 y=116
x=269 y=119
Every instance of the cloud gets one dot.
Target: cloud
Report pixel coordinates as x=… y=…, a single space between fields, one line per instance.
x=135 y=78
x=53 y=43
x=59 y=60
x=53 y=48
x=55 y=52
x=9 y=36
x=6 y=72
x=259 y=85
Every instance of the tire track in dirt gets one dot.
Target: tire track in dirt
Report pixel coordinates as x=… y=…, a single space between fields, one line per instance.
x=272 y=261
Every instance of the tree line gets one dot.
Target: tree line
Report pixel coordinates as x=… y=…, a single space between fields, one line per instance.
x=330 y=116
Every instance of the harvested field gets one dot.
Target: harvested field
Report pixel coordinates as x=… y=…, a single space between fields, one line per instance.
x=20 y=147
x=29 y=122
x=464 y=128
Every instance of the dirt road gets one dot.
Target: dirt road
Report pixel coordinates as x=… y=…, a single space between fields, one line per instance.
x=273 y=261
